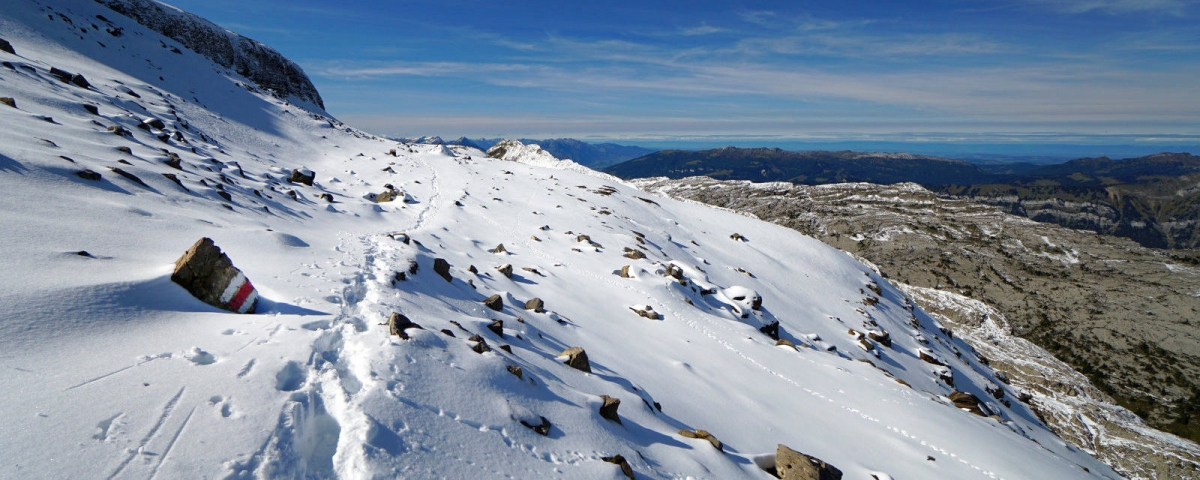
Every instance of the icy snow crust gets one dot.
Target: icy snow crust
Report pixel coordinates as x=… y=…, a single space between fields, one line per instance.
x=111 y=371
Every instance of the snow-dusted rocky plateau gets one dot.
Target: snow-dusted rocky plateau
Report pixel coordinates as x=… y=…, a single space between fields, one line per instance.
x=109 y=370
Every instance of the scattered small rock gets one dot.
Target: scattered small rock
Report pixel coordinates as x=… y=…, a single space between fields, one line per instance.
x=881 y=337
x=499 y=249
x=400 y=237
x=494 y=302
x=793 y=465
x=930 y=358
x=703 y=435
x=625 y=272
x=6 y=47
x=608 y=409
x=133 y=178
x=966 y=401
x=577 y=359
x=506 y=270
x=328 y=198
x=785 y=342
x=515 y=370
x=442 y=268
x=542 y=429
x=771 y=330
x=620 y=462
x=88 y=174
x=646 y=311
x=92 y=109
x=473 y=270
x=397 y=323
x=673 y=271
x=634 y=254
x=497 y=327
x=535 y=304
x=506 y=348
x=303 y=175
x=388 y=195
x=8 y=101
x=480 y=345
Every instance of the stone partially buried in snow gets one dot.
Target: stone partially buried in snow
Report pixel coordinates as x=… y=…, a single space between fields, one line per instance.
x=442 y=268
x=303 y=175
x=793 y=465
x=494 y=302
x=210 y=276
x=703 y=435
x=397 y=324
x=576 y=358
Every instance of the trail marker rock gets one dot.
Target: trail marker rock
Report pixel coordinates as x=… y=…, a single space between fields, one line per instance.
x=210 y=276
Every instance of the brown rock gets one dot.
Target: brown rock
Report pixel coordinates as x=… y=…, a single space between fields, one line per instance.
x=497 y=327
x=625 y=272
x=930 y=358
x=505 y=270
x=881 y=337
x=515 y=370
x=738 y=237
x=442 y=268
x=771 y=330
x=793 y=465
x=494 y=302
x=480 y=345
x=621 y=462
x=535 y=304
x=303 y=175
x=647 y=312
x=8 y=101
x=88 y=174
x=608 y=410
x=634 y=254
x=388 y=196
x=966 y=401
x=397 y=324
x=577 y=359
x=785 y=342
x=499 y=249
x=210 y=276
x=703 y=435
x=674 y=271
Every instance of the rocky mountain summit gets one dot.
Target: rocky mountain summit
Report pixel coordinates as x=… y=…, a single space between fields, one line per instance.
x=1023 y=293
x=257 y=62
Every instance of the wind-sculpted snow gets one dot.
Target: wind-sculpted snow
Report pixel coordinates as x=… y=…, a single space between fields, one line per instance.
x=257 y=62
x=398 y=336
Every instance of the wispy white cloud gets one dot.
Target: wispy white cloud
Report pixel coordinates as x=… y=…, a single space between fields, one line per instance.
x=1117 y=7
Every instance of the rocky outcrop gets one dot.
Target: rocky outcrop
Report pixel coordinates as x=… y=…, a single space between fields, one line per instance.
x=966 y=402
x=256 y=62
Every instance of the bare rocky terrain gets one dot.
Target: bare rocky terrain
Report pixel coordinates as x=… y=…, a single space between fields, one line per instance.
x=1121 y=316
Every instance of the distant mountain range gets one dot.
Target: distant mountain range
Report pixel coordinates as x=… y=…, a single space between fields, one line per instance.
x=592 y=155
x=1154 y=200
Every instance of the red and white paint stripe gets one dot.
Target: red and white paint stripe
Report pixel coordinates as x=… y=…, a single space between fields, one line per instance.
x=240 y=295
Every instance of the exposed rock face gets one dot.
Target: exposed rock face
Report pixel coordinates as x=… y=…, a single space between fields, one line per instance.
x=577 y=359
x=793 y=465
x=255 y=61
x=608 y=409
x=703 y=435
x=494 y=302
x=397 y=323
x=210 y=276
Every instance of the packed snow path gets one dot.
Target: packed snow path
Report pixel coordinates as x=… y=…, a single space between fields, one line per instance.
x=112 y=371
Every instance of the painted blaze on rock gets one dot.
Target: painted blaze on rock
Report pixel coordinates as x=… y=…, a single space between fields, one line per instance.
x=210 y=276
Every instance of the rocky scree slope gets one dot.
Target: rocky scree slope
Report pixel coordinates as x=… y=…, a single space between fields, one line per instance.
x=397 y=333
x=1113 y=310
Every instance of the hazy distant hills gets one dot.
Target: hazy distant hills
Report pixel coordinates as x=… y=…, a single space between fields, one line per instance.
x=1154 y=200
x=808 y=168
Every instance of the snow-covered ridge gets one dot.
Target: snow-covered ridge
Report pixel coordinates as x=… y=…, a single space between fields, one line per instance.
x=257 y=62
x=694 y=319
x=515 y=151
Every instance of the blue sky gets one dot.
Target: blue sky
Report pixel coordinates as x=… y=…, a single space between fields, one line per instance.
x=967 y=71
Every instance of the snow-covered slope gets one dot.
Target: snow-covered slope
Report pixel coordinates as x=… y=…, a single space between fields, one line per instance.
x=112 y=371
